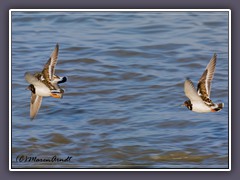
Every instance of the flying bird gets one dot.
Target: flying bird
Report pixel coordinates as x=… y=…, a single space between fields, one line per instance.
x=199 y=100
x=44 y=83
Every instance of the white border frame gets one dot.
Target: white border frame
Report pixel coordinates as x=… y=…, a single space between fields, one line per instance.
x=116 y=10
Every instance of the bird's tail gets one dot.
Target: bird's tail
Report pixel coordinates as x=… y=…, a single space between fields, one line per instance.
x=219 y=107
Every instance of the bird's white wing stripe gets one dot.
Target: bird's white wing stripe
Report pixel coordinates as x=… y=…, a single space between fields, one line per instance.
x=210 y=73
x=53 y=62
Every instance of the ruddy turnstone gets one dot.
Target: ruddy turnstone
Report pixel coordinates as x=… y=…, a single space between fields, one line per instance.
x=199 y=101
x=44 y=83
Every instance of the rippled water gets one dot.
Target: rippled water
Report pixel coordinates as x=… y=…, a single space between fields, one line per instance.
x=121 y=107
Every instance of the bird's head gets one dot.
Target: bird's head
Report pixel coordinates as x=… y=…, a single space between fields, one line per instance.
x=31 y=88
x=188 y=104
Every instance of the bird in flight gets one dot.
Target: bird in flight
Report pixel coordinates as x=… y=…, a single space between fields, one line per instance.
x=44 y=83
x=199 y=100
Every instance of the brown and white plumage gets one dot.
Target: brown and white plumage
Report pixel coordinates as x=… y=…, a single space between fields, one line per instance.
x=49 y=68
x=204 y=83
x=199 y=100
x=44 y=83
x=35 y=105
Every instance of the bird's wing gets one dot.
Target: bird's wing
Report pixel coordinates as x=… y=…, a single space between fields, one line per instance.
x=191 y=92
x=31 y=79
x=204 y=83
x=49 y=68
x=35 y=105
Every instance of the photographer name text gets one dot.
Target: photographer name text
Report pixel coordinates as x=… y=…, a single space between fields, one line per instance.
x=25 y=158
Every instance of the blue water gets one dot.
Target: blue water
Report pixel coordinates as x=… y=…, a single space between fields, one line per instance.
x=121 y=107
